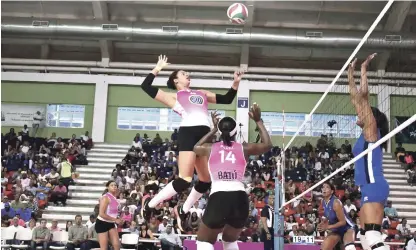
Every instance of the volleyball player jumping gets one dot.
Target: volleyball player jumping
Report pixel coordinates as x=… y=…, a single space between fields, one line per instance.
x=192 y=106
x=337 y=223
x=228 y=206
x=369 y=169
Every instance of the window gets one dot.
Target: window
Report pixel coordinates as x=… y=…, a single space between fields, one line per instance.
x=288 y=123
x=65 y=116
x=159 y=119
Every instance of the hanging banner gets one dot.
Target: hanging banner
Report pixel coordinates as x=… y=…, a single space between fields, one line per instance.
x=408 y=134
x=17 y=115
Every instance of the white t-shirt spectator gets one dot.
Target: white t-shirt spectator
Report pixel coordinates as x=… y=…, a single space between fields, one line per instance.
x=25 y=183
x=137 y=144
x=318 y=166
x=404 y=230
x=349 y=208
x=323 y=155
x=198 y=211
x=25 y=149
x=162 y=228
x=411 y=245
x=130 y=180
x=36 y=119
x=52 y=176
x=25 y=130
x=85 y=137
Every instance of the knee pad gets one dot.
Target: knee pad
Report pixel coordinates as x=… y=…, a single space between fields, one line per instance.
x=350 y=246
x=180 y=185
x=202 y=187
x=230 y=245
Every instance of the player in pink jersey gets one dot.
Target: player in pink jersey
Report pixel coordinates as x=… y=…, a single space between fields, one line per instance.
x=228 y=206
x=192 y=106
x=107 y=219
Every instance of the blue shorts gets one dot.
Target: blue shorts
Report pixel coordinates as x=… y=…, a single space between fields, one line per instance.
x=342 y=230
x=375 y=192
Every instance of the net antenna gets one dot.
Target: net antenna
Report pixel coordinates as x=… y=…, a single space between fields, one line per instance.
x=352 y=56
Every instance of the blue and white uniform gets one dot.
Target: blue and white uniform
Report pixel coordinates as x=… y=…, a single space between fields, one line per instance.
x=368 y=172
x=331 y=215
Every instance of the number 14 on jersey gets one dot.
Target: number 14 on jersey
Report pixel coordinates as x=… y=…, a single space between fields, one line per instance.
x=229 y=157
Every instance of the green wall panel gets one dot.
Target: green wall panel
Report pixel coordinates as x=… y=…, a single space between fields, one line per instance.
x=133 y=96
x=51 y=93
x=402 y=106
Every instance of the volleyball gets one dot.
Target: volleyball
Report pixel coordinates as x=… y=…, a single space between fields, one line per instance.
x=237 y=13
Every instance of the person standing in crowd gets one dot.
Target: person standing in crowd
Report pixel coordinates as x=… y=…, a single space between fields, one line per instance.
x=92 y=238
x=267 y=221
x=37 y=119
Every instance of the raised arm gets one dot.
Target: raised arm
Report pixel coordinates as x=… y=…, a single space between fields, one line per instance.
x=351 y=83
x=203 y=146
x=155 y=92
x=266 y=142
x=230 y=95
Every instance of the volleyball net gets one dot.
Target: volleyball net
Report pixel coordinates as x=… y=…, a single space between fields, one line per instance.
x=331 y=126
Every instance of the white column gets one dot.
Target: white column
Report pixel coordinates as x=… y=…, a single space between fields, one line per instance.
x=383 y=104
x=100 y=111
x=243 y=104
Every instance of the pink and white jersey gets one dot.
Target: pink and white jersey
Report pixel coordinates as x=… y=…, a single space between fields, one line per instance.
x=112 y=207
x=192 y=106
x=227 y=165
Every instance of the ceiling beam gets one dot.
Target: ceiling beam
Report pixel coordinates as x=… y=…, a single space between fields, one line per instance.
x=100 y=12
x=394 y=23
x=245 y=48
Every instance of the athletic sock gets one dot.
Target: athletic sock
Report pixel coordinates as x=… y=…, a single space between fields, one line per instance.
x=202 y=245
x=190 y=201
x=230 y=245
x=165 y=193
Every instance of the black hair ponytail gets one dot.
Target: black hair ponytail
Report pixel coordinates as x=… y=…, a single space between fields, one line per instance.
x=226 y=138
x=382 y=124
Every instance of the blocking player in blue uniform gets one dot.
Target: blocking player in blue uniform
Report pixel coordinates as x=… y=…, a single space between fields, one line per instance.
x=337 y=223
x=368 y=172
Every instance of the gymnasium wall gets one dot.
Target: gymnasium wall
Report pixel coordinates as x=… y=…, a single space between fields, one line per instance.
x=133 y=96
x=51 y=93
x=402 y=106
x=298 y=102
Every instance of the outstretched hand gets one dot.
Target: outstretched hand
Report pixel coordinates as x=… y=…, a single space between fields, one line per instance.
x=255 y=112
x=368 y=60
x=215 y=118
x=162 y=62
x=238 y=74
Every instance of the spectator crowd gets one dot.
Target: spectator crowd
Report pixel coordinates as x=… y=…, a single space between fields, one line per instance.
x=32 y=175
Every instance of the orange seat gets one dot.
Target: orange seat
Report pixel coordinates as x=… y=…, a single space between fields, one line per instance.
x=41 y=203
x=394 y=224
x=392 y=232
x=260 y=204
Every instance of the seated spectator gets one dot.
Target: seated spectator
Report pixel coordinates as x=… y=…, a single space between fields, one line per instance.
x=404 y=229
x=132 y=228
x=411 y=244
x=77 y=234
x=390 y=211
x=54 y=227
x=170 y=240
x=59 y=194
x=137 y=144
x=410 y=162
x=41 y=236
x=400 y=152
x=91 y=222
x=348 y=206
x=411 y=175
x=163 y=225
x=52 y=177
x=92 y=238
